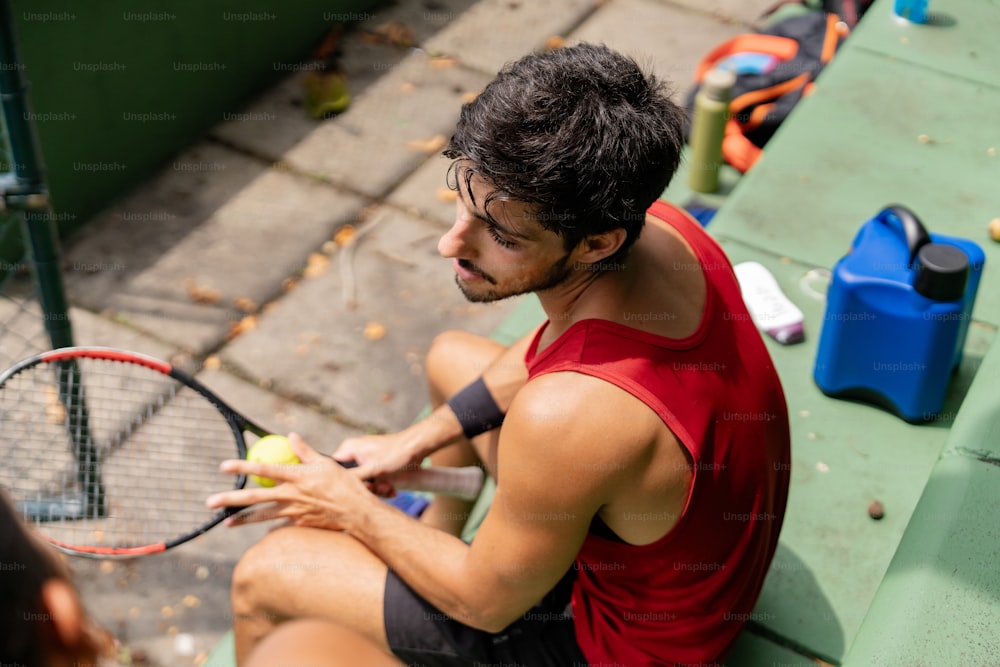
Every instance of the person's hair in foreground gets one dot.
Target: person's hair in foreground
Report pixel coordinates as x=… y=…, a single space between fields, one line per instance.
x=580 y=132
x=42 y=620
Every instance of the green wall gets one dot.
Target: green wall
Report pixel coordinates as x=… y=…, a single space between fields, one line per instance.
x=118 y=86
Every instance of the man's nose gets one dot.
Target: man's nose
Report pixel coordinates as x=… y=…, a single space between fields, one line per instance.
x=456 y=241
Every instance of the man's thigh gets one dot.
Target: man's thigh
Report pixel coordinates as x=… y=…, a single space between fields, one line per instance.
x=298 y=572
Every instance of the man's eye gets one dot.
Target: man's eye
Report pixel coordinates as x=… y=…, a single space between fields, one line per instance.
x=499 y=239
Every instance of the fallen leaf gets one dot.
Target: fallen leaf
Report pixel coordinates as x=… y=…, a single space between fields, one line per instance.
x=317 y=265
x=167 y=612
x=289 y=284
x=443 y=62
x=344 y=235
x=201 y=293
x=429 y=145
x=391 y=32
x=107 y=567
x=374 y=331
x=245 y=304
x=248 y=323
x=469 y=97
x=554 y=42
x=191 y=601
x=446 y=194
x=406 y=87
x=212 y=362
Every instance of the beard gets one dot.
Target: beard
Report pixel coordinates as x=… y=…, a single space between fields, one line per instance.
x=553 y=276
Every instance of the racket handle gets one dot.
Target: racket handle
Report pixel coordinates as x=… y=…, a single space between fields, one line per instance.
x=464 y=483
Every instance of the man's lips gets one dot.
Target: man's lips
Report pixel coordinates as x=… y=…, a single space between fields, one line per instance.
x=466 y=272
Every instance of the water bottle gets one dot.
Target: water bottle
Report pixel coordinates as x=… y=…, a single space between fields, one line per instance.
x=897 y=314
x=708 y=127
x=914 y=11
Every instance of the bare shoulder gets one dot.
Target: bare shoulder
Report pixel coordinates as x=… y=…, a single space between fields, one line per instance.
x=605 y=447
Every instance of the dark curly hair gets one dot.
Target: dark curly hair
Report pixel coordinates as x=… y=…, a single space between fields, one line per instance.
x=23 y=570
x=581 y=133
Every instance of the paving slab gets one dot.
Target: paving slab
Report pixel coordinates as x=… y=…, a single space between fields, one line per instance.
x=188 y=255
x=388 y=132
x=364 y=364
x=425 y=193
x=495 y=32
x=150 y=601
x=667 y=39
x=747 y=12
x=276 y=121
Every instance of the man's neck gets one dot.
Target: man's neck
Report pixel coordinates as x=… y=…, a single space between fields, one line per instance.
x=585 y=294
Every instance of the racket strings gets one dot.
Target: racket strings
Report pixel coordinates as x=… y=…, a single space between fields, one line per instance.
x=110 y=455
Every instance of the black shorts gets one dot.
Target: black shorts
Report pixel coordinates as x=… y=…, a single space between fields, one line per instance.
x=421 y=636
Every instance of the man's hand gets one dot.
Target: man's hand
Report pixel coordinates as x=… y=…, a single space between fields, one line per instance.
x=377 y=456
x=318 y=493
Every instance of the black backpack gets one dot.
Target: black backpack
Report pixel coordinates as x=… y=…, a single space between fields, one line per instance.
x=775 y=68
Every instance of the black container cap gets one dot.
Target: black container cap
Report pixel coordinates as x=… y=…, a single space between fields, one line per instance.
x=942 y=271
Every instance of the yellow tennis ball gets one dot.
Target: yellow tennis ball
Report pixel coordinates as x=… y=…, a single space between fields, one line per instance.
x=273 y=449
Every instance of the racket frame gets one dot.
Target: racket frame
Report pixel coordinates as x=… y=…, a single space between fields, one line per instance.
x=238 y=425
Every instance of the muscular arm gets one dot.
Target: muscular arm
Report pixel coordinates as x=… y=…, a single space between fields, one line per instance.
x=538 y=520
x=573 y=446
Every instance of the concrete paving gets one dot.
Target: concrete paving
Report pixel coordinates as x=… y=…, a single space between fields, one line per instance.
x=230 y=254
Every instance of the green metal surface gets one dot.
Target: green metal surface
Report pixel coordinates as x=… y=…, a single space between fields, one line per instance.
x=223 y=654
x=854 y=146
x=938 y=602
x=832 y=555
x=888 y=123
x=959 y=38
x=119 y=88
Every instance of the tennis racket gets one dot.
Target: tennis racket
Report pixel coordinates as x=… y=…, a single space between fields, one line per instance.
x=109 y=453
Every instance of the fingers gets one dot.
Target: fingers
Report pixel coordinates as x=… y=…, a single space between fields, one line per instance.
x=305 y=453
x=240 y=498
x=254 y=514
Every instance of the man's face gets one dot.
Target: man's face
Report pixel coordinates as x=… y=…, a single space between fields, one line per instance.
x=495 y=260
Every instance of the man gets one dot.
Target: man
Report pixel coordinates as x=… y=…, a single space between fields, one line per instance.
x=641 y=465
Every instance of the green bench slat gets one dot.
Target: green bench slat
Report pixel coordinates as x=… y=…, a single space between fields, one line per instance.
x=939 y=603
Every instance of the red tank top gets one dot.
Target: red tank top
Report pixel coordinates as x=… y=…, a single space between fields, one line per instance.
x=684 y=598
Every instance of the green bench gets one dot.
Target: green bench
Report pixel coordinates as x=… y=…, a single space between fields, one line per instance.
x=903 y=114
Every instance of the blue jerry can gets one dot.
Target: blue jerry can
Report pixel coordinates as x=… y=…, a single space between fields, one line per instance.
x=897 y=314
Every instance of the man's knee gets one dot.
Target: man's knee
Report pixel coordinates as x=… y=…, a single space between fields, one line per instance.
x=456 y=358
x=254 y=571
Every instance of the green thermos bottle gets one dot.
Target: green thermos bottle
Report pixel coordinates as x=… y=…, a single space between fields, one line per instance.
x=711 y=111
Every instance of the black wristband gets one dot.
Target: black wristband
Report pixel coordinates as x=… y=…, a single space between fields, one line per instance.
x=476 y=409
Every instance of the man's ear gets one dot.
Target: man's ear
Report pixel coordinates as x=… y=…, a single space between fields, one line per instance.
x=598 y=247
